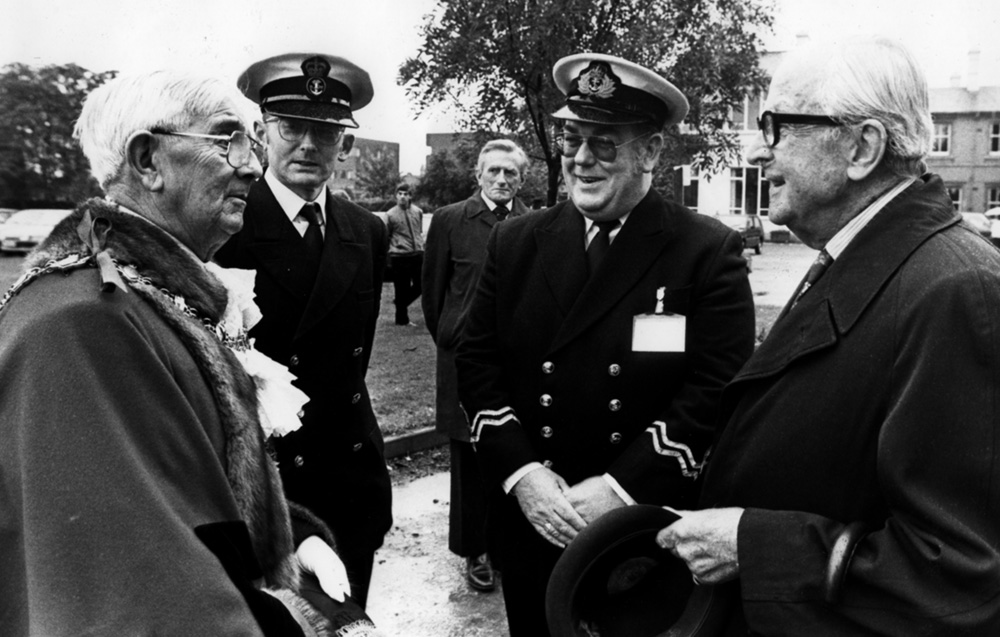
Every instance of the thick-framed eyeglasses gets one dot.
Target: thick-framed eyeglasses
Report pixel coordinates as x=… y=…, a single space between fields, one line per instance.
x=770 y=123
x=603 y=148
x=239 y=146
x=293 y=130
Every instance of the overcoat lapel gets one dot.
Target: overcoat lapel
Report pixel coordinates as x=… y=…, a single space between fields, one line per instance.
x=833 y=306
x=638 y=245
x=560 y=250
x=342 y=256
x=276 y=245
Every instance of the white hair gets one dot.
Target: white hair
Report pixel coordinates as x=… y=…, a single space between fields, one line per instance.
x=878 y=78
x=159 y=99
x=507 y=146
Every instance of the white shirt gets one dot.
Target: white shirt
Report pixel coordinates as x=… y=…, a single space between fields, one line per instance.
x=292 y=204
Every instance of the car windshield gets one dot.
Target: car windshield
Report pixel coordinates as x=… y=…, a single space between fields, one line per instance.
x=39 y=217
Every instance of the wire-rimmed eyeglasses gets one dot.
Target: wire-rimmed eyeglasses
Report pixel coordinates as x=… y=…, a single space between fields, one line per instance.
x=603 y=148
x=239 y=145
x=292 y=130
x=770 y=123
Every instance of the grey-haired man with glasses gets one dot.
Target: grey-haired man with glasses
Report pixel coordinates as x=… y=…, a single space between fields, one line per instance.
x=600 y=336
x=320 y=261
x=854 y=484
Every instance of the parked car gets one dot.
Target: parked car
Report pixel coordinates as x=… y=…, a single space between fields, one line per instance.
x=979 y=222
x=26 y=228
x=750 y=228
x=993 y=215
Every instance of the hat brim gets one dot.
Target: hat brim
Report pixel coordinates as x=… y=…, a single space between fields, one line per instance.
x=592 y=115
x=325 y=113
x=613 y=579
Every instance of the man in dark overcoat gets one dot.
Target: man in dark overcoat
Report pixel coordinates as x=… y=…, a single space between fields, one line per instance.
x=854 y=485
x=319 y=262
x=453 y=258
x=600 y=336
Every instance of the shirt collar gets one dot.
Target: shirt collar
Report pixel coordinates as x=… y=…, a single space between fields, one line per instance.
x=492 y=204
x=836 y=245
x=290 y=202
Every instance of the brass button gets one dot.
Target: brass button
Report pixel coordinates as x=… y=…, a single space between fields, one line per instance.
x=614 y=369
x=299 y=461
x=357 y=351
x=615 y=404
x=357 y=446
x=294 y=360
x=355 y=398
x=547 y=432
x=548 y=367
x=615 y=438
x=547 y=464
x=302 y=414
x=545 y=400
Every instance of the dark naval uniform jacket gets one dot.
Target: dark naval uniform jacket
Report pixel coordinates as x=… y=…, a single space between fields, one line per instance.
x=321 y=324
x=547 y=371
x=453 y=258
x=875 y=402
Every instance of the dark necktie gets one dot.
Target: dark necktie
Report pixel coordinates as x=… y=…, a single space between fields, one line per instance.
x=599 y=245
x=314 y=234
x=501 y=212
x=816 y=270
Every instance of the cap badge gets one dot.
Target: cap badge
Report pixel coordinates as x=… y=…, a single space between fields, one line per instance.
x=597 y=81
x=315 y=69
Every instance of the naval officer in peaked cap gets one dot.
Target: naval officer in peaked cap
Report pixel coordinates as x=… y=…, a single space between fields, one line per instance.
x=600 y=336
x=320 y=261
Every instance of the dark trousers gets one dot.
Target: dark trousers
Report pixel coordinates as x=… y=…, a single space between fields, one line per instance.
x=352 y=494
x=526 y=561
x=406 y=283
x=467 y=515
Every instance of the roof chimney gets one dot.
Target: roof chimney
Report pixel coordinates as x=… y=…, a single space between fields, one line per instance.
x=972 y=79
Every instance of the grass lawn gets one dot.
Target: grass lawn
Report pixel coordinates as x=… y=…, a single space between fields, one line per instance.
x=401 y=373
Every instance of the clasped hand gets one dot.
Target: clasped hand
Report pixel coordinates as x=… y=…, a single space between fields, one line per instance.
x=557 y=511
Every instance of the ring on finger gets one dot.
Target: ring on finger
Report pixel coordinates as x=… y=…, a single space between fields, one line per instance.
x=551 y=529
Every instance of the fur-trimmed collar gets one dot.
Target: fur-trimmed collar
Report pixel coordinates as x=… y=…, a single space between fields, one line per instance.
x=163 y=264
x=136 y=241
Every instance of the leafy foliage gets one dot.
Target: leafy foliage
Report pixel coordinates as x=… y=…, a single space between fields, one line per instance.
x=40 y=162
x=378 y=175
x=492 y=63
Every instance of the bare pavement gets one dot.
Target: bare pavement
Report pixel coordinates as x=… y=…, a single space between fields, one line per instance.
x=418 y=587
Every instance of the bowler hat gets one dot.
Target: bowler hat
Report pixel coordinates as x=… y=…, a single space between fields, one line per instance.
x=312 y=86
x=614 y=580
x=604 y=89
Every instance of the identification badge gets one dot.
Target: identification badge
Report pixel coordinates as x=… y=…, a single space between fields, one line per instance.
x=659 y=332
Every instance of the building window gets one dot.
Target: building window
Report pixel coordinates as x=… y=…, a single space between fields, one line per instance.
x=689 y=190
x=749 y=192
x=995 y=138
x=955 y=192
x=992 y=197
x=942 y=139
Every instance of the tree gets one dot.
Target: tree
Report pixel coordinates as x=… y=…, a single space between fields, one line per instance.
x=40 y=162
x=492 y=62
x=378 y=175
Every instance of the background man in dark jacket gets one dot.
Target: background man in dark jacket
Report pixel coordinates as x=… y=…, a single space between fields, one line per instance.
x=319 y=262
x=866 y=422
x=453 y=258
x=600 y=335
